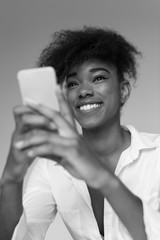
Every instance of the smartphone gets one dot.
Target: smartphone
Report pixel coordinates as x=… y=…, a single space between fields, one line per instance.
x=37 y=85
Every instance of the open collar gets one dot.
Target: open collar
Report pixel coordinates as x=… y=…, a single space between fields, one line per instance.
x=139 y=142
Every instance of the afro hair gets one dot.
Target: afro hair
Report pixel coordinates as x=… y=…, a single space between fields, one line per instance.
x=72 y=47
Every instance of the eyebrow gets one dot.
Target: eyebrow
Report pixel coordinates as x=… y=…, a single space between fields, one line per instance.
x=99 y=69
x=92 y=71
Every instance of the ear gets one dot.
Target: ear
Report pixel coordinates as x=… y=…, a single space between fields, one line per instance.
x=125 y=89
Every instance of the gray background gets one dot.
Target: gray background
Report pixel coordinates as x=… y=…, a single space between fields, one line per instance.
x=25 y=29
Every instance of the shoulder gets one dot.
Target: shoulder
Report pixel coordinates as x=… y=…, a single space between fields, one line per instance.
x=39 y=170
x=49 y=168
x=145 y=139
x=44 y=163
x=151 y=137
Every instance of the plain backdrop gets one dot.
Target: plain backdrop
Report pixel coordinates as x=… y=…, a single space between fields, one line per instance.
x=26 y=28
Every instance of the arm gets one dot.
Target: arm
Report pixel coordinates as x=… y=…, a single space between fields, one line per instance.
x=38 y=211
x=11 y=183
x=128 y=207
x=38 y=203
x=10 y=207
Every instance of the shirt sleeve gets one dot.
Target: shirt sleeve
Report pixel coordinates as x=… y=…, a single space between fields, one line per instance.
x=39 y=205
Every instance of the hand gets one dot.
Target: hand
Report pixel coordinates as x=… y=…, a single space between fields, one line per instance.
x=18 y=161
x=68 y=149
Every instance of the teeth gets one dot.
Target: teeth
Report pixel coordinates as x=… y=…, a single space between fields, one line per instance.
x=89 y=106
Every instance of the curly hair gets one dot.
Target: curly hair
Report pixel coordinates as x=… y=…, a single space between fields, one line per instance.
x=72 y=47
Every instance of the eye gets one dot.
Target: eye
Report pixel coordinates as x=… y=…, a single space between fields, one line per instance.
x=72 y=84
x=99 y=78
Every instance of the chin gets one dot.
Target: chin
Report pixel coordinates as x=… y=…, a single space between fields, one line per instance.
x=89 y=125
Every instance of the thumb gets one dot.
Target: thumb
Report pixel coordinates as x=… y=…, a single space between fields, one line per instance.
x=64 y=107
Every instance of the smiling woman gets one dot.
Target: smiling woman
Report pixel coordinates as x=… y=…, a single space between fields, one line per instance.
x=99 y=181
x=93 y=93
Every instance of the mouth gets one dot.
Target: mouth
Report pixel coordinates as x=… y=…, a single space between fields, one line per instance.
x=89 y=107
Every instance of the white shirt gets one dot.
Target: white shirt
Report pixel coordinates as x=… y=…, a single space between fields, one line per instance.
x=51 y=188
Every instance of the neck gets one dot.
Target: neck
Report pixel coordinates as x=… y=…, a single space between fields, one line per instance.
x=107 y=141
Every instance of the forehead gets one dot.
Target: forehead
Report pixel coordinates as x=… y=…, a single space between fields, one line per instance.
x=89 y=65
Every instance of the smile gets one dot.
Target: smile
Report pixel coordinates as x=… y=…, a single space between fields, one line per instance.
x=89 y=107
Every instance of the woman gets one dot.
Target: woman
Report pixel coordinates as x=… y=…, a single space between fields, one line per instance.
x=99 y=181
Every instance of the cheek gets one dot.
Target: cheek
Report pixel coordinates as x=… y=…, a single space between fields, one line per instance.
x=111 y=96
x=71 y=96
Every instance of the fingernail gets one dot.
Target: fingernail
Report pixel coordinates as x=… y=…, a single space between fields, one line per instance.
x=31 y=102
x=19 y=144
x=30 y=154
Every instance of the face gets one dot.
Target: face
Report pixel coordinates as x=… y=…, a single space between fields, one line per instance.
x=93 y=93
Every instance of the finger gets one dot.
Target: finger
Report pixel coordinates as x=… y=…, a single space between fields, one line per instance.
x=57 y=147
x=64 y=107
x=64 y=128
x=38 y=121
x=19 y=110
x=33 y=138
x=41 y=109
x=29 y=121
x=38 y=137
x=44 y=151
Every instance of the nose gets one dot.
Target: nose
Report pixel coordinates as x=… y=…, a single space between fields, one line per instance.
x=85 y=91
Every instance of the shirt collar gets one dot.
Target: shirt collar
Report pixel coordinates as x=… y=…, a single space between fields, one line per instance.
x=140 y=141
